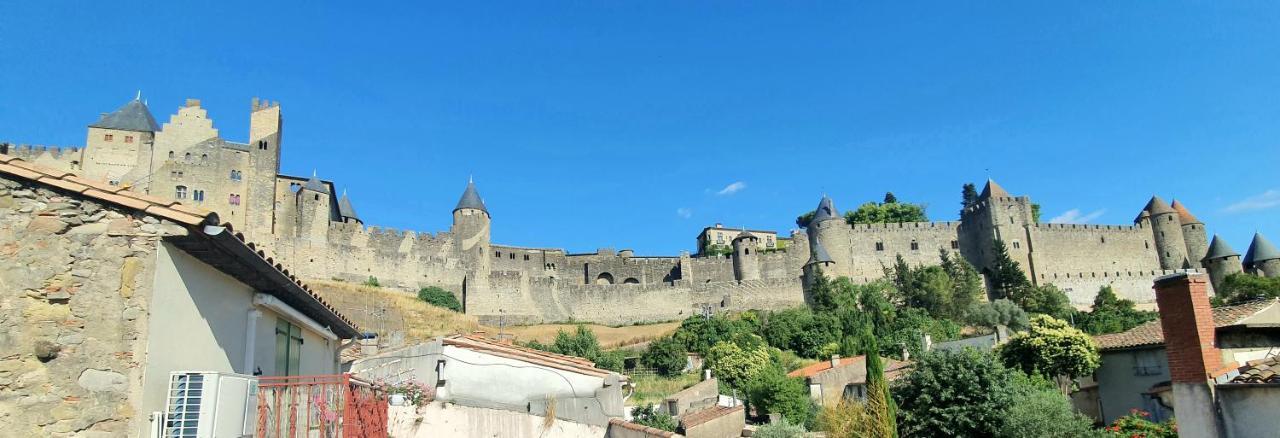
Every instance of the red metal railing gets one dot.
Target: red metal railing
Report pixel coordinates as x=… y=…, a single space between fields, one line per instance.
x=325 y=406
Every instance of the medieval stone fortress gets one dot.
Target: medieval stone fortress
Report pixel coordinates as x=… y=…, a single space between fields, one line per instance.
x=304 y=223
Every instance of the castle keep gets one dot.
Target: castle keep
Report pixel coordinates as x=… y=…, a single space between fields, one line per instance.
x=303 y=222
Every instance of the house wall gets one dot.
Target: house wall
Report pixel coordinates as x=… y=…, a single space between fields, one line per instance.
x=202 y=323
x=436 y=420
x=725 y=426
x=1120 y=390
x=73 y=313
x=1248 y=410
x=833 y=381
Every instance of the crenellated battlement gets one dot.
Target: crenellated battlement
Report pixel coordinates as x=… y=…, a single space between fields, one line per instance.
x=1088 y=227
x=905 y=226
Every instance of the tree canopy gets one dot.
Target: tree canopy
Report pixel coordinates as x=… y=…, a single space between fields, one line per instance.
x=1052 y=348
x=440 y=298
x=1241 y=288
x=1111 y=314
x=954 y=393
x=886 y=213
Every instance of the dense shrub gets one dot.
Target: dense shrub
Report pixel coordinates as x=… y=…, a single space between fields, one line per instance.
x=1111 y=314
x=582 y=343
x=440 y=298
x=998 y=312
x=771 y=391
x=1038 y=410
x=648 y=415
x=1052 y=348
x=1242 y=288
x=1136 y=425
x=954 y=393
x=781 y=429
x=666 y=356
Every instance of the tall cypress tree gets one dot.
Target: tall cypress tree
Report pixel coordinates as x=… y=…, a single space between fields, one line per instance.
x=883 y=410
x=1007 y=278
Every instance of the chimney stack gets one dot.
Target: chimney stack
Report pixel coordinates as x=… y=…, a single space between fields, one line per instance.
x=1187 y=322
x=835 y=360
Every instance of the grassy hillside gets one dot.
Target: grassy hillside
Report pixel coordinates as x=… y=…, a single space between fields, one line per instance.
x=388 y=310
x=385 y=311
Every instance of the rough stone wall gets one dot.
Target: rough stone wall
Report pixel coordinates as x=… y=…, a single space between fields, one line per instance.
x=111 y=160
x=1073 y=248
x=73 y=316
x=917 y=242
x=1082 y=287
x=205 y=167
x=265 y=140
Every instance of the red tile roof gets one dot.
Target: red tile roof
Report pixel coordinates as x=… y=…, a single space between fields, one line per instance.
x=175 y=211
x=650 y=431
x=1152 y=334
x=1265 y=370
x=511 y=351
x=892 y=368
x=697 y=418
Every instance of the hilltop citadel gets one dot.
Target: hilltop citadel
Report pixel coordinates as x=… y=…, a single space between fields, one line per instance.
x=304 y=223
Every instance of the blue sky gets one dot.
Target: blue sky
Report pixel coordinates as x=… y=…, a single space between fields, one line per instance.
x=621 y=124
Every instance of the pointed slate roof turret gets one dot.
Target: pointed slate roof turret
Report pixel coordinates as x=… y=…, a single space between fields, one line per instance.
x=1183 y=215
x=993 y=190
x=133 y=116
x=1157 y=206
x=344 y=207
x=744 y=235
x=818 y=253
x=1218 y=249
x=471 y=198
x=1260 y=250
x=826 y=211
x=314 y=184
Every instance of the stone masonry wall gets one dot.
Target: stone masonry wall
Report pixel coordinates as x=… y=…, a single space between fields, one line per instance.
x=73 y=313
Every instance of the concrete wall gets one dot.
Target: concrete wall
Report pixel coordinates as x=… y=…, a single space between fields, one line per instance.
x=443 y=420
x=203 y=325
x=1120 y=389
x=1248 y=410
x=726 y=426
x=701 y=395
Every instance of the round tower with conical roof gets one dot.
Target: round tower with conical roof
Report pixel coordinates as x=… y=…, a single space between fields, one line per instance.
x=1262 y=258
x=746 y=261
x=828 y=230
x=470 y=232
x=1166 y=231
x=1221 y=261
x=1193 y=234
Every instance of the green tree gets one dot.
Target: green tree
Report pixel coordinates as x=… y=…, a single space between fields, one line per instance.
x=889 y=198
x=1007 y=277
x=699 y=333
x=1044 y=299
x=1051 y=348
x=734 y=365
x=440 y=298
x=372 y=282
x=1112 y=314
x=666 y=356
x=582 y=343
x=954 y=393
x=897 y=212
x=880 y=404
x=771 y=391
x=998 y=312
x=966 y=282
x=649 y=415
x=803 y=220
x=822 y=292
x=968 y=195
x=717 y=250
x=1241 y=288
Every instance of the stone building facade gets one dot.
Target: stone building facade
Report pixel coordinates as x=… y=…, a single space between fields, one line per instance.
x=304 y=222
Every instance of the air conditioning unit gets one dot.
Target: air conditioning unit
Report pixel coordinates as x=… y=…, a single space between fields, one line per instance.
x=206 y=404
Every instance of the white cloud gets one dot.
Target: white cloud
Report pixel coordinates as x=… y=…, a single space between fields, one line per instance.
x=684 y=212
x=1073 y=216
x=732 y=188
x=1261 y=201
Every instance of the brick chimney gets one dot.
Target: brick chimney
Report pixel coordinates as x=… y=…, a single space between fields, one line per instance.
x=1187 y=320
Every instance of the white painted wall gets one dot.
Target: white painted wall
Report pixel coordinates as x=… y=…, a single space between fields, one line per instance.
x=471 y=375
x=199 y=320
x=438 y=420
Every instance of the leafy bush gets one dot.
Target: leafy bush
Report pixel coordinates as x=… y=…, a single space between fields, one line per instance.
x=781 y=429
x=847 y=419
x=648 y=415
x=886 y=213
x=698 y=334
x=666 y=356
x=771 y=391
x=1136 y=425
x=1241 y=288
x=582 y=343
x=954 y=393
x=734 y=365
x=1038 y=411
x=1111 y=314
x=999 y=312
x=440 y=298
x=1051 y=348
x=372 y=282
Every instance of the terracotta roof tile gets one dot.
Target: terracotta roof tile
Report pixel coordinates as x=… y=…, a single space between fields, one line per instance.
x=1152 y=333
x=1265 y=370
x=119 y=196
x=552 y=360
x=892 y=367
x=651 y=431
x=705 y=415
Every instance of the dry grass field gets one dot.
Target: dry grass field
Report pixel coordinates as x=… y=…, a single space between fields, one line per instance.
x=386 y=311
